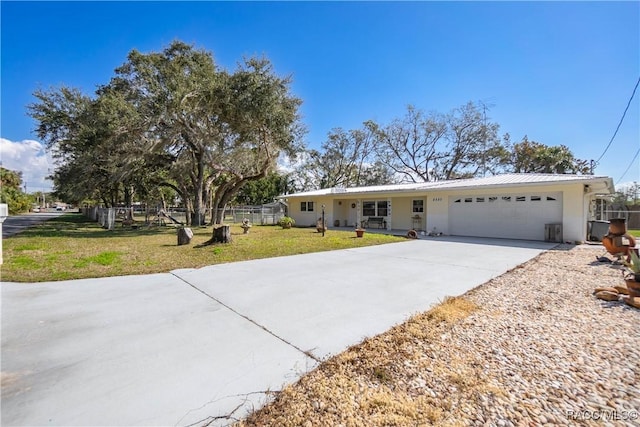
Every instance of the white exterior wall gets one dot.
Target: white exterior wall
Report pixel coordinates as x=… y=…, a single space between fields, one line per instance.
x=400 y=210
x=575 y=210
x=335 y=209
x=437 y=213
x=309 y=219
x=436 y=216
x=401 y=214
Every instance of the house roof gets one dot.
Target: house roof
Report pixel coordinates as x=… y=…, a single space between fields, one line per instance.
x=601 y=184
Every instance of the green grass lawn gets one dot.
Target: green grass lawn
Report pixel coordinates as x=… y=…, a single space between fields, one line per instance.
x=635 y=233
x=74 y=247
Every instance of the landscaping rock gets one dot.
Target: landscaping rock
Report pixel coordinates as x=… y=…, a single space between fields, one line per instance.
x=633 y=301
x=607 y=296
x=184 y=236
x=622 y=290
x=606 y=289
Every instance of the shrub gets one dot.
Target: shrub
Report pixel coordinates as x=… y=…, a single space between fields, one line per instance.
x=286 y=221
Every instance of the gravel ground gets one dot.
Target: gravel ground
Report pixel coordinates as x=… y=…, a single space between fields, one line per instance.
x=531 y=347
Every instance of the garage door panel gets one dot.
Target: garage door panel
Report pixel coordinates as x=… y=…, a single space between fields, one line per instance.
x=513 y=216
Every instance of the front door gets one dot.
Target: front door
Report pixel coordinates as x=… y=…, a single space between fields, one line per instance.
x=353 y=213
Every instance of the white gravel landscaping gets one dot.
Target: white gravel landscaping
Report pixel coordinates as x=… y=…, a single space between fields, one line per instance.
x=560 y=355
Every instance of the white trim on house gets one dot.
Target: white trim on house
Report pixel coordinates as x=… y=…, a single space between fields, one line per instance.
x=525 y=219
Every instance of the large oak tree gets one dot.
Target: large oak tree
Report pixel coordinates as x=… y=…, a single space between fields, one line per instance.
x=171 y=118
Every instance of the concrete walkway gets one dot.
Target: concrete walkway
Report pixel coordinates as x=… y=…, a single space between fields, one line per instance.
x=195 y=346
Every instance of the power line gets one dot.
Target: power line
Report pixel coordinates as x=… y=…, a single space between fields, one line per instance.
x=628 y=167
x=621 y=120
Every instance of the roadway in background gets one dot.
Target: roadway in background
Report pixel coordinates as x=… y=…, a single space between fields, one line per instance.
x=14 y=224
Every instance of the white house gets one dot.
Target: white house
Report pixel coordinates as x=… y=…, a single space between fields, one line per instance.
x=514 y=206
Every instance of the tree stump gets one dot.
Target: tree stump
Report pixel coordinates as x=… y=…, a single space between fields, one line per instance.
x=184 y=236
x=222 y=234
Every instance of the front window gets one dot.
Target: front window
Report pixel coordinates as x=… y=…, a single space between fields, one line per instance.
x=369 y=208
x=306 y=206
x=382 y=208
x=418 y=206
x=375 y=208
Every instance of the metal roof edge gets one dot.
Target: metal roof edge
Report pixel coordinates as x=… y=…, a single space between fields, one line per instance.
x=576 y=180
x=453 y=185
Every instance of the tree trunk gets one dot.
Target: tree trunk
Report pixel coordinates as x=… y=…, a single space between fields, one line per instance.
x=188 y=211
x=128 y=196
x=184 y=236
x=199 y=207
x=222 y=234
x=163 y=201
x=197 y=219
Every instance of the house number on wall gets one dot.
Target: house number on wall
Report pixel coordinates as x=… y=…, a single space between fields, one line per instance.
x=436 y=199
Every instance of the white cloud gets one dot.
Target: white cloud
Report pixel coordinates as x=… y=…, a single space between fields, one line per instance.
x=287 y=164
x=30 y=158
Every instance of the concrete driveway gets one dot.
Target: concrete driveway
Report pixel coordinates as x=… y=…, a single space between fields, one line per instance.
x=206 y=346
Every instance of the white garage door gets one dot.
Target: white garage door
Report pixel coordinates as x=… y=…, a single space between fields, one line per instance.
x=509 y=216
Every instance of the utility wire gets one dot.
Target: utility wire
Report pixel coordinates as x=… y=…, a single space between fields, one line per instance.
x=629 y=167
x=619 y=124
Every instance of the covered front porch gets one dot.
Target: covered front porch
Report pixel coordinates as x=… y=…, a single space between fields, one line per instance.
x=402 y=232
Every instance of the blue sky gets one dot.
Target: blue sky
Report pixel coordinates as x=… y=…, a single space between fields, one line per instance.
x=559 y=72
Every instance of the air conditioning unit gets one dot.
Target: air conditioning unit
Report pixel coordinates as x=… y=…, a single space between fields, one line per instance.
x=553 y=233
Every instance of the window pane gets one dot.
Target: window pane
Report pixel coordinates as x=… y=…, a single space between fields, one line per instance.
x=369 y=208
x=310 y=206
x=382 y=208
x=418 y=206
x=303 y=206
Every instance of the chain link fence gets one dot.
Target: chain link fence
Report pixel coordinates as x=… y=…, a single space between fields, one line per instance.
x=107 y=217
x=631 y=215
